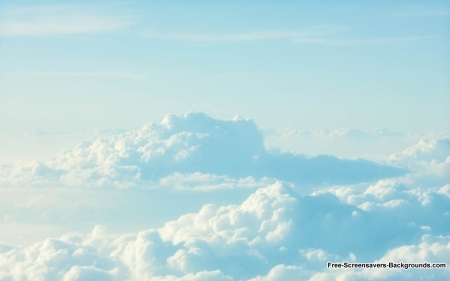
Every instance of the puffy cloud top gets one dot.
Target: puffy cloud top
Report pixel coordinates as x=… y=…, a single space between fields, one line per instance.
x=186 y=144
x=273 y=235
x=429 y=160
x=433 y=150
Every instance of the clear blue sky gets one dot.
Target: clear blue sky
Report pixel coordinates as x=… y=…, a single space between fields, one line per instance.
x=314 y=64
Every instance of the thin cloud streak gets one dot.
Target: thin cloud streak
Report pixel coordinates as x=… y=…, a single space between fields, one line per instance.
x=348 y=42
x=320 y=30
x=300 y=37
x=235 y=37
x=58 y=20
x=102 y=74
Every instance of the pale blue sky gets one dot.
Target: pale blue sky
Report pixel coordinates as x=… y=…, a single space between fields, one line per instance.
x=313 y=65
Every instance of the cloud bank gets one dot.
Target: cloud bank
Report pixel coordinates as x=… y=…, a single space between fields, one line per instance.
x=188 y=144
x=273 y=235
x=359 y=211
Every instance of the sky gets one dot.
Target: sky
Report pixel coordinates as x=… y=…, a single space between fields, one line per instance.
x=309 y=65
x=237 y=140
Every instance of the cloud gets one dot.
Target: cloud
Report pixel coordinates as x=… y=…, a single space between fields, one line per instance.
x=250 y=36
x=353 y=42
x=431 y=249
x=57 y=259
x=58 y=20
x=274 y=234
x=312 y=35
x=103 y=74
x=234 y=37
x=283 y=272
x=426 y=150
x=199 y=181
x=188 y=144
x=430 y=161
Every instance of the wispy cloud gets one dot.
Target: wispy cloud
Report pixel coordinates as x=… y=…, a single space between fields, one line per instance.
x=320 y=30
x=312 y=35
x=234 y=37
x=105 y=74
x=58 y=20
x=369 y=41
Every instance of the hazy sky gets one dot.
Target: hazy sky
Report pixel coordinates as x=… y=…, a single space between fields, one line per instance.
x=302 y=64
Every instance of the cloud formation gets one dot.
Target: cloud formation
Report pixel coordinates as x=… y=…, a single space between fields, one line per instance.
x=273 y=234
x=430 y=161
x=367 y=212
x=188 y=144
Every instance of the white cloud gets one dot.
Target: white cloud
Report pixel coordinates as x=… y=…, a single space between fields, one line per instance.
x=188 y=144
x=102 y=74
x=432 y=249
x=58 y=259
x=199 y=181
x=234 y=37
x=352 y=42
x=89 y=273
x=58 y=20
x=430 y=161
x=426 y=150
x=250 y=36
x=313 y=35
x=199 y=276
x=273 y=235
x=285 y=272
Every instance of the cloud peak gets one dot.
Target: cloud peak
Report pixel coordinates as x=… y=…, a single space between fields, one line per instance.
x=187 y=144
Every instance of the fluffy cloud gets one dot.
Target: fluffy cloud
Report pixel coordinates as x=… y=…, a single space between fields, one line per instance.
x=434 y=150
x=274 y=234
x=429 y=160
x=426 y=209
x=189 y=144
x=68 y=258
x=430 y=249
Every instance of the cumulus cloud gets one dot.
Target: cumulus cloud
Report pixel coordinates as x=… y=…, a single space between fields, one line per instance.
x=431 y=249
x=356 y=213
x=426 y=150
x=189 y=144
x=67 y=258
x=273 y=235
x=419 y=207
x=429 y=160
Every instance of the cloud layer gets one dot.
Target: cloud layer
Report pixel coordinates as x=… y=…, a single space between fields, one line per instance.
x=187 y=144
x=270 y=227
x=273 y=235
